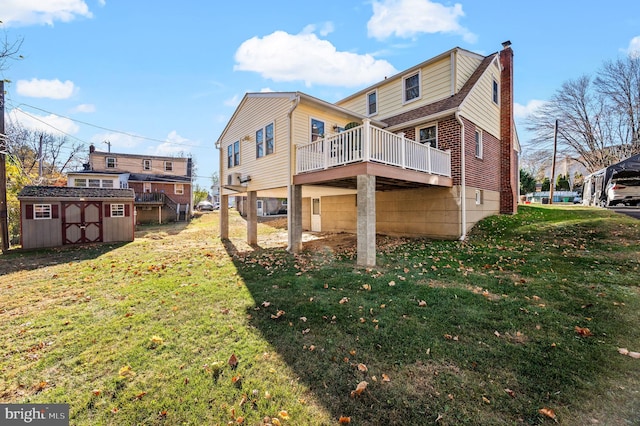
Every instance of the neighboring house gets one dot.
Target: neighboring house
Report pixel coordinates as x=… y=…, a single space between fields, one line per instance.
x=427 y=152
x=52 y=216
x=162 y=185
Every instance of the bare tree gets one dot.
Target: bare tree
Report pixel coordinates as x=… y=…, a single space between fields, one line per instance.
x=9 y=50
x=598 y=119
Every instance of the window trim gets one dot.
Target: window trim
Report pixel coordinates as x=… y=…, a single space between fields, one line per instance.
x=479 y=144
x=369 y=111
x=113 y=160
x=264 y=144
x=168 y=166
x=236 y=153
x=117 y=210
x=80 y=182
x=404 y=87
x=319 y=135
x=426 y=126
x=495 y=91
x=146 y=164
x=178 y=188
x=44 y=210
x=479 y=197
x=145 y=186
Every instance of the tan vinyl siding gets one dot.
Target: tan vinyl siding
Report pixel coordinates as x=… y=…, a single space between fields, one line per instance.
x=479 y=106
x=465 y=66
x=126 y=163
x=269 y=171
x=435 y=84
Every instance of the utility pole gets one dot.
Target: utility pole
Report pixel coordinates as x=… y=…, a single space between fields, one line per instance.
x=553 y=162
x=4 y=224
x=108 y=145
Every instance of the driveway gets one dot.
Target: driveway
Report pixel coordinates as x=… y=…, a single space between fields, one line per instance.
x=629 y=211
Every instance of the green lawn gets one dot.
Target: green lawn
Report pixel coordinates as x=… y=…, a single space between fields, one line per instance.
x=529 y=314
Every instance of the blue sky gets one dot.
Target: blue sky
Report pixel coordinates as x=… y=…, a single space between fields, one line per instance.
x=164 y=77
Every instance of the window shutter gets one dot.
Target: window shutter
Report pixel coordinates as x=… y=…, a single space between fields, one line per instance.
x=54 y=211
x=127 y=210
x=107 y=210
x=29 y=211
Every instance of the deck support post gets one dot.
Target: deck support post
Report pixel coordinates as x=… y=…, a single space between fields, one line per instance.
x=252 y=218
x=366 y=222
x=224 y=217
x=294 y=216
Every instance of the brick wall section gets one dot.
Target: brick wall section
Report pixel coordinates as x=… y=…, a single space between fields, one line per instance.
x=508 y=174
x=482 y=173
x=167 y=189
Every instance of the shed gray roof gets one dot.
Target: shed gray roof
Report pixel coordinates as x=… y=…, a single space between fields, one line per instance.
x=68 y=192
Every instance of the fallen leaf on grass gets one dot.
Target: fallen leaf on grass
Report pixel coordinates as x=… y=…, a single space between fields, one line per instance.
x=140 y=395
x=392 y=283
x=627 y=352
x=486 y=400
x=344 y=420
x=366 y=287
x=549 y=413
x=359 y=389
x=363 y=368
x=126 y=371
x=583 y=331
x=278 y=314
x=511 y=393
x=344 y=300
x=233 y=361
x=266 y=304
x=385 y=378
x=283 y=415
x=422 y=303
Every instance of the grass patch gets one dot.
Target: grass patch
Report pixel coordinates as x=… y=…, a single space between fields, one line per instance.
x=446 y=332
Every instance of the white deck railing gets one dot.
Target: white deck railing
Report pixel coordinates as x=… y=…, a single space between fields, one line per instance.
x=368 y=143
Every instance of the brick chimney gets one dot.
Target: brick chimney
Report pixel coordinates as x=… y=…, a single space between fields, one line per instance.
x=508 y=156
x=92 y=148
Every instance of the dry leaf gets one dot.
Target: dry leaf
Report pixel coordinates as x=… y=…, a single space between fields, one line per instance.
x=623 y=351
x=344 y=300
x=359 y=389
x=511 y=393
x=233 y=361
x=266 y=304
x=385 y=378
x=344 y=420
x=140 y=395
x=635 y=355
x=583 y=331
x=486 y=400
x=303 y=319
x=548 y=412
x=278 y=314
x=363 y=368
x=283 y=415
x=275 y=422
x=366 y=287
x=392 y=283
x=126 y=371
x=422 y=303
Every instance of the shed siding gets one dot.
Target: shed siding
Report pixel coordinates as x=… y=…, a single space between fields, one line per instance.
x=40 y=233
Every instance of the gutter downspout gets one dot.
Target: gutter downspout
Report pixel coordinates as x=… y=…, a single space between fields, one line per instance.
x=296 y=102
x=463 y=180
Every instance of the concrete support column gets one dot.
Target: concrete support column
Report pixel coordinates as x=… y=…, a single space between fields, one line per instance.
x=224 y=217
x=366 y=224
x=252 y=218
x=294 y=216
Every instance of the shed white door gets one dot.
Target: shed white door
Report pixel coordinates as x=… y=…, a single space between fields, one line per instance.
x=81 y=222
x=260 y=207
x=315 y=215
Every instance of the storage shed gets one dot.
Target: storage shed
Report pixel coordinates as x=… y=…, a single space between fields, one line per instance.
x=52 y=216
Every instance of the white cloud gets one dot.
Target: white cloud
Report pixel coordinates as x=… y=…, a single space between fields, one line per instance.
x=634 y=47
x=48 y=123
x=38 y=12
x=523 y=111
x=85 y=108
x=175 y=144
x=408 y=18
x=119 y=142
x=233 y=101
x=52 y=89
x=304 y=57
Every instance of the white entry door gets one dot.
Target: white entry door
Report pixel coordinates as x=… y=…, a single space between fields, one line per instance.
x=260 y=207
x=315 y=215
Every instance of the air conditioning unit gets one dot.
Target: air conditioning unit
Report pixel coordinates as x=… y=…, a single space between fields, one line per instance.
x=234 y=178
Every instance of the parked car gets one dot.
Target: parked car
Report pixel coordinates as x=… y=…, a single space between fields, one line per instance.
x=205 y=206
x=623 y=191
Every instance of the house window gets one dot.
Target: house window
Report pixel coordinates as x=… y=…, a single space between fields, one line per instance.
x=80 y=182
x=236 y=153
x=107 y=184
x=268 y=132
x=146 y=164
x=111 y=162
x=178 y=189
x=260 y=143
x=496 y=91
x=478 y=143
x=411 y=86
x=230 y=156
x=429 y=135
x=479 y=197
x=168 y=166
x=146 y=187
x=317 y=129
x=372 y=103
x=117 y=210
x=42 y=211
x=94 y=183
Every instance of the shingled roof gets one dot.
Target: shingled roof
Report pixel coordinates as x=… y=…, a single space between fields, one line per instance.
x=446 y=104
x=68 y=192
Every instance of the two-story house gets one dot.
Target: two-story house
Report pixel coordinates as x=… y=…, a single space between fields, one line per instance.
x=162 y=185
x=427 y=152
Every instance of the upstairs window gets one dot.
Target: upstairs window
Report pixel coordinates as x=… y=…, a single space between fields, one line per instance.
x=236 y=153
x=496 y=91
x=94 y=183
x=317 y=129
x=146 y=164
x=268 y=132
x=264 y=141
x=260 y=143
x=80 y=182
x=429 y=135
x=107 y=184
x=372 y=103
x=479 y=147
x=411 y=86
x=168 y=166
x=230 y=156
x=110 y=162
